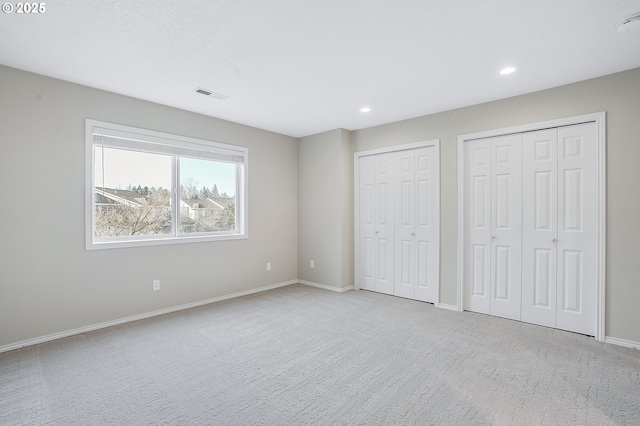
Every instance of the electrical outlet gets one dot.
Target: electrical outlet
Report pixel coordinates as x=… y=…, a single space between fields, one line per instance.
x=269 y=266
x=156 y=285
x=312 y=264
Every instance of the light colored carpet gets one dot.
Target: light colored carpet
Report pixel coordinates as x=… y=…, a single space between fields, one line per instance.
x=304 y=356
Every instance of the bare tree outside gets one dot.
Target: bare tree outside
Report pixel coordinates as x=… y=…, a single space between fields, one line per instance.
x=189 y=189
x=150 y=215
x=204 y=209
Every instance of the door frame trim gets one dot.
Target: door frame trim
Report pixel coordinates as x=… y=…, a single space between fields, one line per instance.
x=356 y=204
x=599 y=118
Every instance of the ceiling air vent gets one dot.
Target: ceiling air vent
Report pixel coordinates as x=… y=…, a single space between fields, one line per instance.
x=206 y=92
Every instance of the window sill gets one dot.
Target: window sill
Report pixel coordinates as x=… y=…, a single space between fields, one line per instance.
x=112 y=244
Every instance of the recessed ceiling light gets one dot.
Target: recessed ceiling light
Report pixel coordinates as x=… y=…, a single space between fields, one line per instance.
x=507 y=70
x=365 y=109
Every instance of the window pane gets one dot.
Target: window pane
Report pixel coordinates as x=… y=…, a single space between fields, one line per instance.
x=132 y=193
x=207 y=196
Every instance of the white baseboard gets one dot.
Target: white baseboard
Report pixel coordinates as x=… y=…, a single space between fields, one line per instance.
x=106 y=324
x=326 y=287
x=447 y=307
x=60 y=335
x=622 y=342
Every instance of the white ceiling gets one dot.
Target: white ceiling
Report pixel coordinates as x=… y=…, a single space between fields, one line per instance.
x=300 y=67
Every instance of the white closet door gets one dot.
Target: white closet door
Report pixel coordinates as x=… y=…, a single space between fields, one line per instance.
x=425 y=229
x=541 y=202
x=398 y=223
x=493 y=219
x=539 y=226
x=404 y=162
x=576 y=228
x=477 y=221
x=367 y=237
x=384 y=223
x=506 y=232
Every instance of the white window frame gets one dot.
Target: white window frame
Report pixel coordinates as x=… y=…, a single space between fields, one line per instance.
x=162 y=143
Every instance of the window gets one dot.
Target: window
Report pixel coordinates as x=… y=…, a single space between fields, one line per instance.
x=145 y=188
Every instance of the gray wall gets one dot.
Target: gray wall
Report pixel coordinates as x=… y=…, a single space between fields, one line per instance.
x=619 y=96
x=300 y=203
x=49 y=283
x=325 y=206
x=346 y=207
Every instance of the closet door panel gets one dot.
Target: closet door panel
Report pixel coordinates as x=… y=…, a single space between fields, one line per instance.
x=477 y=225
x=542 y=253
x=425 y=238
x=398 y=223
x=384 y=229
x=506 y=226
x=404 y=162
x=576 y=291
x=367 y=205
x=539 y=226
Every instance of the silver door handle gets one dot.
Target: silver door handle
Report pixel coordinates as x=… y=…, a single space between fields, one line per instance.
x=555 y=241
x=493 y=237
x=413 y=233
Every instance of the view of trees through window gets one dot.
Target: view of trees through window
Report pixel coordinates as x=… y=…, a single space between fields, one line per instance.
x=143 y=205
x=205 y=209
x=133 y=211
x=203 y=206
